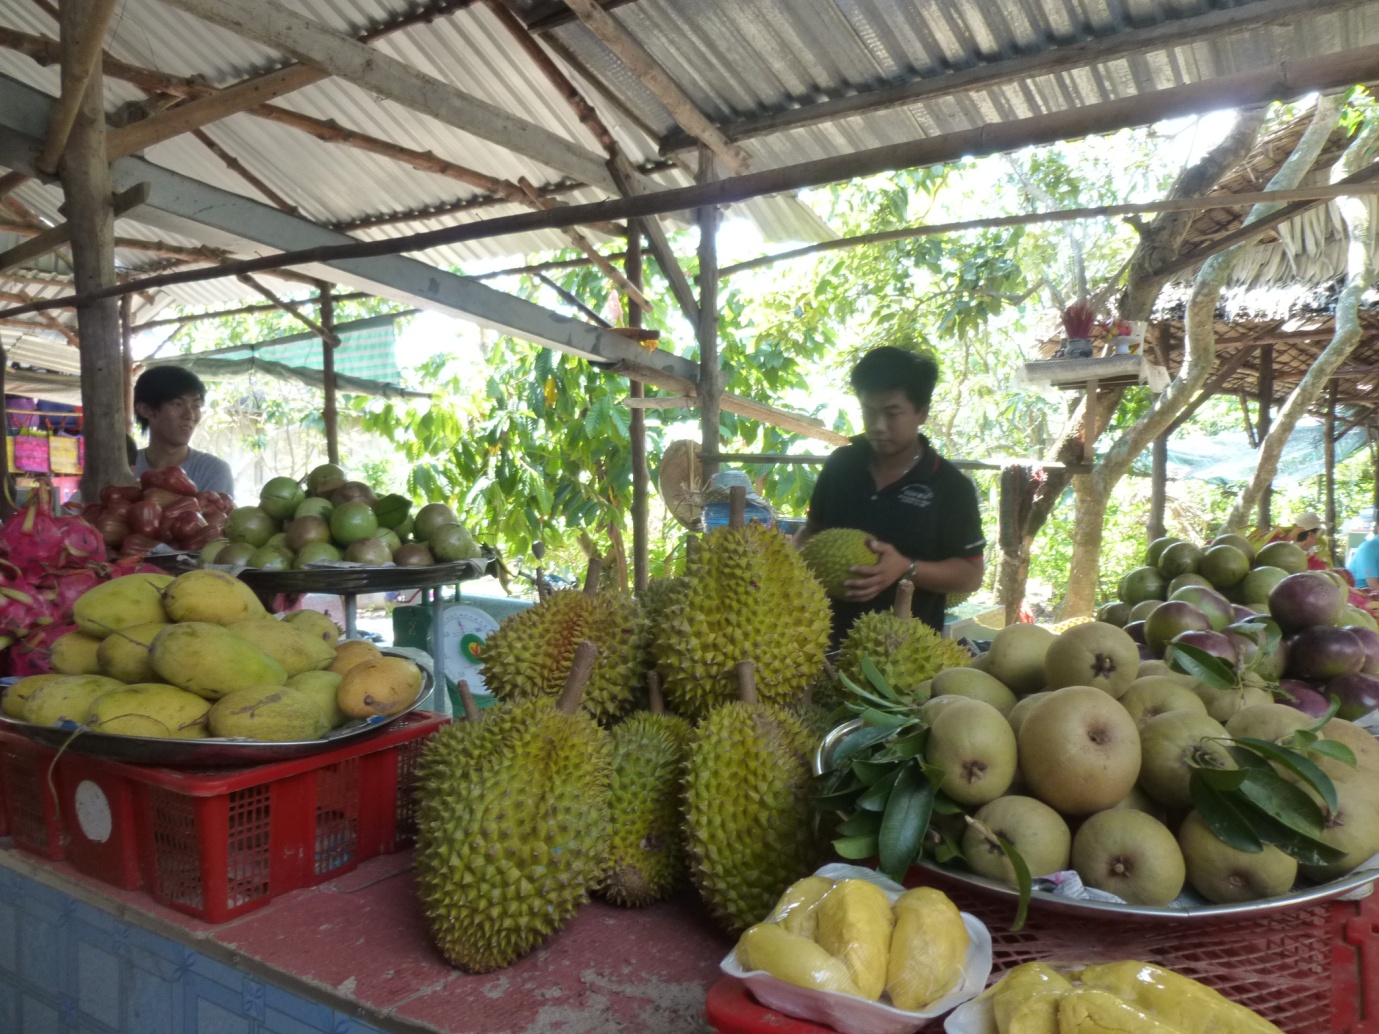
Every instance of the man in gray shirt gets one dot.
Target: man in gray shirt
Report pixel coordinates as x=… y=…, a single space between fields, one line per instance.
x=167 y=401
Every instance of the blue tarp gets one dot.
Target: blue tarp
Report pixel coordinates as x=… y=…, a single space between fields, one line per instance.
x=1229 y=458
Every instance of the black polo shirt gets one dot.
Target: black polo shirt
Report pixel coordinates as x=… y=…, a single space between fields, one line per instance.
x=929 y=514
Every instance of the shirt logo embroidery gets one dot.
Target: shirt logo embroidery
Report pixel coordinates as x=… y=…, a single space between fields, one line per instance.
x=917 y=495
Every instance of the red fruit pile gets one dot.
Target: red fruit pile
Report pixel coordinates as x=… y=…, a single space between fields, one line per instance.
x=164 y=507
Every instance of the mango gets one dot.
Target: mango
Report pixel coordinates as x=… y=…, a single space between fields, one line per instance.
x=180 y=714
x=793 y=958
x=124 y=655
x=135 y=599
x=385 y=686
x=323 y=687
x=67 y=698
x=928 y=949
x=313 y=622
x=75 y=654
x=352 y=652
x=854 y=926
x=276 y=714
x=133 y=725
x=294 y=648
x=215 y=597
x=12 y=703
x=211 y=661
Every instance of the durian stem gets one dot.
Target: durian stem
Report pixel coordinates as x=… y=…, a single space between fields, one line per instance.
x=655 y=703
x=747 y=682
x=471 y=709
x=737 y=506
x=904 y=594
x=591 y=577
x=691 y=549
x=580 y=670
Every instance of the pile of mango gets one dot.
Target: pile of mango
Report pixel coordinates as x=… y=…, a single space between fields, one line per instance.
x=198 y=656
x=847 y=936
x=1116 y=996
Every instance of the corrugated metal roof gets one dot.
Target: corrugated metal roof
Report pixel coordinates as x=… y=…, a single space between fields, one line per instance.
x=736 y=59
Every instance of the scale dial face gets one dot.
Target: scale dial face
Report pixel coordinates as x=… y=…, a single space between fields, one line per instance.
x=464 y=630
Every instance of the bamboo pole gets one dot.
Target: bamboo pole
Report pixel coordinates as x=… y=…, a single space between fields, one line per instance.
x=243 y=310
x=328 y=343
x=81 y=57
x=86 y=184
x=710 y=374
x=641 y=477
x=1266 y=408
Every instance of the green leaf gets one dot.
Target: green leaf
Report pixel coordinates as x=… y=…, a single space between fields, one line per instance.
x=858 y=691
x=855 y=848
x=1298 y=764
x=1221 y=815
x=1302 y=739
x=1022 y=882
x=881 y=719
x=872 y=772
x=1245 y=758
x=856 y=742
x=905 y=822
x=1335 y=750
x=1222 y=780
x=903 y=748
x=1286 y=803
x=876 y=796
x=863 y=824
x=1205 y=668
x=1306 y=849
x=873 y=675
x=1331 y=713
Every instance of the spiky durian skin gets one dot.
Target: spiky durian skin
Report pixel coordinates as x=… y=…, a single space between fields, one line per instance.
x=531 y=653
x=646 y=856
x=511 y=829
x=749 y=827
x=748 y=597
x=905 y=650
x=832 y=553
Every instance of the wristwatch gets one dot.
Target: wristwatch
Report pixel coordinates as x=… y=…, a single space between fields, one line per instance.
x=910 y=572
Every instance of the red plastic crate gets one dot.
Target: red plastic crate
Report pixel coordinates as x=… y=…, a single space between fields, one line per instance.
x=31 y=809
x=218 y=844
x=1308 y=971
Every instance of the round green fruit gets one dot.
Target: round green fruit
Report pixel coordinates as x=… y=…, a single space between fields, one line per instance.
x=251 y=525
x=315 y=553
x=451 y=542
x=325 y=472
x=1117 y=614
x=413 y=554
x=236 y=554
x=1224 y=566
x=1180 y=558
x=1254 y=588
x=278 y=541
x=1143 y=583
x=314 y=506
x=1184 y=580
x=1156 y=549
x=1286 y=556
x=1240 y=542
x=303 y=531
x=368 y=551
x=280 y=497
x=429 y=518
x=392 y=510
x=389 y=538
x=404 y=530
x=351 y=522
x=211 y=550
x=271 y=558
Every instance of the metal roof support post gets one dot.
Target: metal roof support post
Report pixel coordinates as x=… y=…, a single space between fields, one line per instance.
x=86 y=184
x=641 y=477
x=1266 y=408
x=328 y=343
x=710 y=375
x=1329 y=463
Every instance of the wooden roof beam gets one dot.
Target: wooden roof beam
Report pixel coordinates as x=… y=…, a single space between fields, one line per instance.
x=11 y=181
x=291 y=308
x=271 y=24
x=1217 y=381
x=555 y=14
x=655 y=78
x=253 y=92
x=76 y=73
x=55 y=237
x=1171 y=32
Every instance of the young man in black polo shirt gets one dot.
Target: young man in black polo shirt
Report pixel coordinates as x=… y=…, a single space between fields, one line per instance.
x=890 y=482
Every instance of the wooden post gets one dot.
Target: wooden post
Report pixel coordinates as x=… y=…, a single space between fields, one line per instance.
x=1266 y=410
x=1329 y=464
x=1089 y=421
x=6 y=483
x=1158 y=487
x=710 y=376
x=328 y=412
x=641 y=563
x=86 y=184
x=127 y=350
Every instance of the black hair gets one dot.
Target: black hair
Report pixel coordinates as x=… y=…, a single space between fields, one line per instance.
x=888 y=368
x=163 y=384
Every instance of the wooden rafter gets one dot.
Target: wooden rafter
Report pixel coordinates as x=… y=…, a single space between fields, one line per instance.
x=655 y=78
x=11 y=181
x=273 y=25
x=48 y=320
x=55 y=237
x=291 y=308
x=76 y=74
x=238 y=168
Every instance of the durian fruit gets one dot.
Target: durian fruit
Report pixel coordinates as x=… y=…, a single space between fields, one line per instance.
x=512 y=824
x=646 y=856
x=904 y=649
x=532 y=651
x=749 y=596
x=748 y=821
x=832 y=554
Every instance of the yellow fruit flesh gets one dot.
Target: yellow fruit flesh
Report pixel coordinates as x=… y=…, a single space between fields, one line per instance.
x=854 y=925
x=1026 y=999
x=1089 y=1011
x=796 y=911
x=796 y=960
x=1175 y=999
x=928 y=949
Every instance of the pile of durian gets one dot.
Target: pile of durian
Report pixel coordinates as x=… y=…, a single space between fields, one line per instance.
x=848 y=937
x=578 y=784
